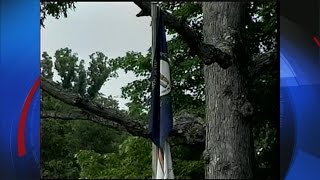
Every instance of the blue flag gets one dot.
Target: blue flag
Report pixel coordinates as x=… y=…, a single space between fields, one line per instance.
x=161 y=106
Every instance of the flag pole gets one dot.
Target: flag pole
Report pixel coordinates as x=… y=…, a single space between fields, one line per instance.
x=153 y=25
x=154 y=17
x=161 y=107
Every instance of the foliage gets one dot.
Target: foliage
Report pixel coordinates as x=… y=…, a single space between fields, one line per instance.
x=74 y=76
x=62 y=139
x=132 y=161
x=55 y=9
x=261 y=36
x=46 y=66
x=98 y=73
x=81 y=81
x=65 y=64
x=261 y=26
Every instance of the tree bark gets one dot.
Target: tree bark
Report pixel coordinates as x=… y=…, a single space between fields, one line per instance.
x=228 y=111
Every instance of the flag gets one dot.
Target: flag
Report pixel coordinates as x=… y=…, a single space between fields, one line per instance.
x=161 y=121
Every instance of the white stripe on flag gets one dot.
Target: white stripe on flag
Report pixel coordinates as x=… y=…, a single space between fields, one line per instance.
x=166 y=172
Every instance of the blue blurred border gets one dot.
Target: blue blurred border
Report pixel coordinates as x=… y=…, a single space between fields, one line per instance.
x=19 y=70
x=300 y=76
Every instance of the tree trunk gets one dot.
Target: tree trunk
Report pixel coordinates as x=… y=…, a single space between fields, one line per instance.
x=228 y=140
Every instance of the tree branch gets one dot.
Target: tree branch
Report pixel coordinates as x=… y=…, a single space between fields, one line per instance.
x=207 y=52
x=186 y=127
x=133 y=126
x=78 y=115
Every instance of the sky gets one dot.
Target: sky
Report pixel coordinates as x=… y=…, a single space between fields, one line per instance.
x=108 y=27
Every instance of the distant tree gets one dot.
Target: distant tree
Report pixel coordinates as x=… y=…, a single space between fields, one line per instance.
x=61 y=140
x=55 y=9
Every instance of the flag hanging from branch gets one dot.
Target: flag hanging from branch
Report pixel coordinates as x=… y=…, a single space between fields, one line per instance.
x=161 y=106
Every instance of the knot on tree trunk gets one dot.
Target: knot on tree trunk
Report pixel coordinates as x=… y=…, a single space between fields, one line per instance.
x=246 y=109
x=226 y=45
x=206 y=157
x=229 y=42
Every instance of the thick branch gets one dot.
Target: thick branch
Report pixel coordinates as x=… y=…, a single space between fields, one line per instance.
x=133 y=126
x=79 y=115
x=186 y=126
x=207 y=52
